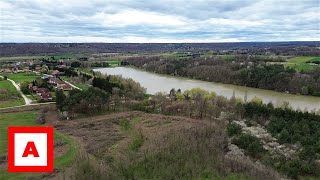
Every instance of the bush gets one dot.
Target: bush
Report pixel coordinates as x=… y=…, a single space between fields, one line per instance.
x=137 y=141
x=41 y=117
x=125 y=124
x=25 y=87
x=233 y=129
x=249 y=143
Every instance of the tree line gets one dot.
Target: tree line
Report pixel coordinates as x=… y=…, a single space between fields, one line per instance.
x=251 y=71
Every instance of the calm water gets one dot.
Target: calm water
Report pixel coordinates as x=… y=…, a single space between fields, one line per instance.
x=156 y=83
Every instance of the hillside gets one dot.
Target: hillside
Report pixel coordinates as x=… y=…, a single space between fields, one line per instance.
x=136 y=145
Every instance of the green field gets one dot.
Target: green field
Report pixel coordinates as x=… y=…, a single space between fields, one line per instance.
x=27 y=118
x=4 y=84
x=15 y=101
x=113 y=63
x=299 y=63
x=21 y=77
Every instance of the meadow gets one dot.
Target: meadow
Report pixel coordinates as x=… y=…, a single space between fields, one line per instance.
x=21 y=77
x=28 y=118
x=300 y=63
x=10 y=97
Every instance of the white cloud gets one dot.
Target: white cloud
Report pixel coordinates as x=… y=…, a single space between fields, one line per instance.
x=158 y=21
x=132 y=17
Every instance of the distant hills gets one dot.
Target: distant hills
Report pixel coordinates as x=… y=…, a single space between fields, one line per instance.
x=276 y=48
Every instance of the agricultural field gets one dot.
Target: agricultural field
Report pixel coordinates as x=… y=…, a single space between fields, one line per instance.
x=66 y=148
x=9 y=96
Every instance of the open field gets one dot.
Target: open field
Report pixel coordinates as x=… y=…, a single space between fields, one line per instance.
x=143 y=146
x=21 y=77
x=114 y=63
x=12 y=97
x=77 y=84
x=66 y=148
x=299 y=63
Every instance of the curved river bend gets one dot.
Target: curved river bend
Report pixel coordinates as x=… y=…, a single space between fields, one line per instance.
x=164 y=83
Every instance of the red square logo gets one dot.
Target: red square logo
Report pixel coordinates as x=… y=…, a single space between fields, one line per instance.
x=30 y=149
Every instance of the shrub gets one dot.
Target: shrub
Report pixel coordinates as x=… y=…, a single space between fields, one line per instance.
x=233 y=129
x=249 y=143
x=137 y=141
x=125 y=124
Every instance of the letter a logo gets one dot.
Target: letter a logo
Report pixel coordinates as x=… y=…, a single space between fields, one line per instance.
x=30 y=149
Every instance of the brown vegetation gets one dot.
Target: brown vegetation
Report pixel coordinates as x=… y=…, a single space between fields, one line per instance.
x=135 y=145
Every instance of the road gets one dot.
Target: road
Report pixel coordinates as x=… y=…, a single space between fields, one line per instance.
x=26 y=100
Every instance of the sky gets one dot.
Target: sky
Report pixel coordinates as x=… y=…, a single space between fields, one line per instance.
x=159 y=21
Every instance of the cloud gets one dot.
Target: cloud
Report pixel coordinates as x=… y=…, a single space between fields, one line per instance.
x=159 y=21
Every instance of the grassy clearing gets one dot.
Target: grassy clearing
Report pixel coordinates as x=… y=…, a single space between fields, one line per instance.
x=11 y=96
x=21 y=77
x=114 y=63
x=299 y=63
x=7 y=85
x=79 y=85
x=300 y=60
x=27 y=118
x=11 y=103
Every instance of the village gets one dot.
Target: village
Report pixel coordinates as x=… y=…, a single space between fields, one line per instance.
x=36 y=80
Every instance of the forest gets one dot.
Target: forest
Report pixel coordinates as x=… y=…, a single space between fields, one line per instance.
x=244 y=70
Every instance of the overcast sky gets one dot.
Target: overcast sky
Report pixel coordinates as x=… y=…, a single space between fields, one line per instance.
x=159 y=20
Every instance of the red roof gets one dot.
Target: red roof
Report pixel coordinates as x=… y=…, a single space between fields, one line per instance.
x=55 y=72
x=41 y=90
x=46 y=95
x=66 y=87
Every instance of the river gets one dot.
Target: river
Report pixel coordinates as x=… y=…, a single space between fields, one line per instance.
x=156 y=82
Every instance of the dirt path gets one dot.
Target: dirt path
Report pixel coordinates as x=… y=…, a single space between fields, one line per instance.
x=73 y=85
x=26 y=100
x=23 y=107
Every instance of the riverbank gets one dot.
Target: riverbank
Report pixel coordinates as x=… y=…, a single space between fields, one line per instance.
x=158 y=83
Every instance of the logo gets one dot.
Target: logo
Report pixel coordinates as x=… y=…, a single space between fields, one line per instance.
x=30 y=149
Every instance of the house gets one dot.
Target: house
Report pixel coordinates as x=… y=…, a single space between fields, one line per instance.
x=40 y=91
x=7 y=71
x=46 y=96
x=59 y=83
x=62 y=66
x=30 y=86
x=34 y=88
x=66 y=87
x=55 y=73
x=55 y=81
x=63 y=86
x=37 y=68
